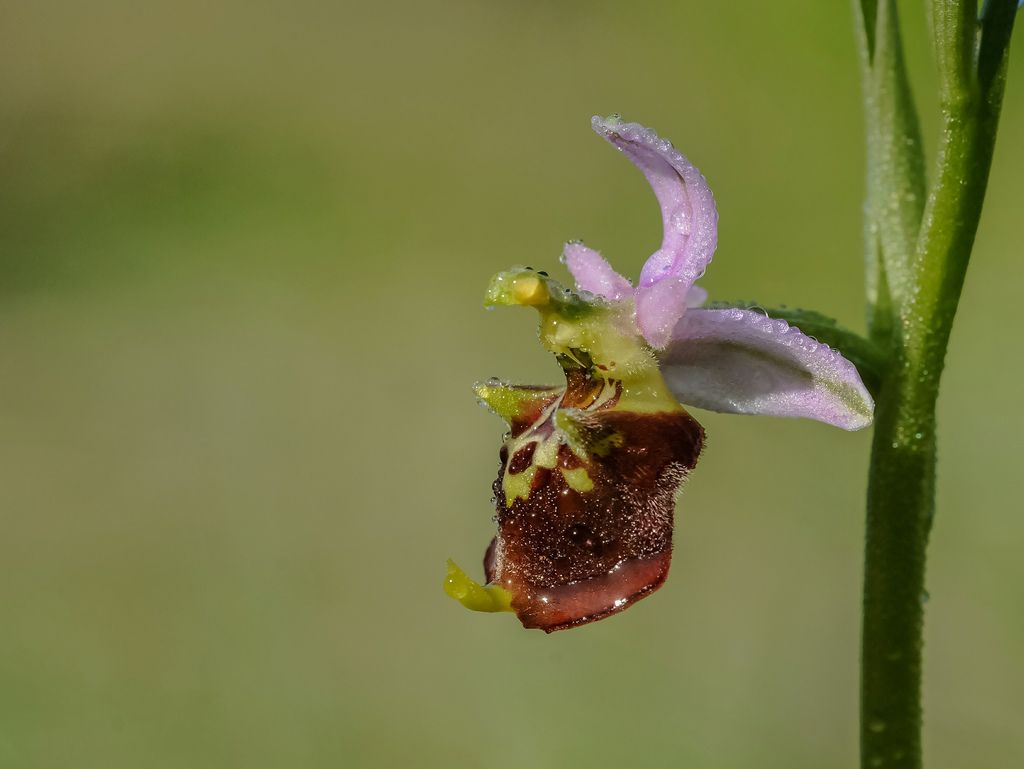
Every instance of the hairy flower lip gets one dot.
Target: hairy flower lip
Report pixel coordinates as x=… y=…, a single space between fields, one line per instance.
x=584 y=498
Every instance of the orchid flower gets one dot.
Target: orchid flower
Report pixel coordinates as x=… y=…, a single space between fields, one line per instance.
x=589 y=471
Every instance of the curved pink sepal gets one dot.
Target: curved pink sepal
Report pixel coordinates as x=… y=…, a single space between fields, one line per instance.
x=739 y=361
x=689 y=221
x=593 y=273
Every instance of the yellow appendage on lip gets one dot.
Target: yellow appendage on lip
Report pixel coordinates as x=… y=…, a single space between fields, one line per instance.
x=579 y=479
x=472 y=594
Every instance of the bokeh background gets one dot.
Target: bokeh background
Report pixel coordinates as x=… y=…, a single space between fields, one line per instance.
x=242 y=254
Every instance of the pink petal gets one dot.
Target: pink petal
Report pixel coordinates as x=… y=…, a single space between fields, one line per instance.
x=689 y=219
x=593 y=273
x=740 y=362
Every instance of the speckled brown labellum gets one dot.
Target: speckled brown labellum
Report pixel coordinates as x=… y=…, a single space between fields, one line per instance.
x=585 y=500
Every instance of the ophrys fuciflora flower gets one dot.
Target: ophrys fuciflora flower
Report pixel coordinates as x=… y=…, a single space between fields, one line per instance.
x=589 y=471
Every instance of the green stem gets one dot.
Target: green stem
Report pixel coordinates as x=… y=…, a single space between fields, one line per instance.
x=901 y=489
x=901 y=484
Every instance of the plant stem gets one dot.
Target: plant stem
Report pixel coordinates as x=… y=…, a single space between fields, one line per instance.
x=901 y=483
x=901 y=487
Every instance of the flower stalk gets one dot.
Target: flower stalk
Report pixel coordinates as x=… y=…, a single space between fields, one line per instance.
x=913 y=298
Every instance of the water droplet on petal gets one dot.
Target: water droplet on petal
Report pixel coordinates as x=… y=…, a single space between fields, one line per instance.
x=680 y=221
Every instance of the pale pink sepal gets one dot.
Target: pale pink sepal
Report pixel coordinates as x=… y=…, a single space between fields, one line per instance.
x=738 y=361
x=689 y=222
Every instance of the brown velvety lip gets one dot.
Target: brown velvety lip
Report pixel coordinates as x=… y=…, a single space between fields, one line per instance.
x=577 y=603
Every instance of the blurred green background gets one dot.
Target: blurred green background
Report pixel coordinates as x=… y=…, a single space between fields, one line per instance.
x=242 y=254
